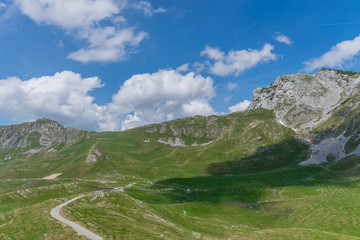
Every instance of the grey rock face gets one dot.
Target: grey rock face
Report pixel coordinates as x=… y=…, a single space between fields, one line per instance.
x=93 y=155
x=176 y=143
x=304 y=100
x=45 y=131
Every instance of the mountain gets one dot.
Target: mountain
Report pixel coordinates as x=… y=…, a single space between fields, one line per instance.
x=322 y=108
x=43 y=133
x=286 y=168
x=304 y=101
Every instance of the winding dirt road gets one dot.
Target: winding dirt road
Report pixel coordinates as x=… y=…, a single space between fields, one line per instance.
x=55 y=212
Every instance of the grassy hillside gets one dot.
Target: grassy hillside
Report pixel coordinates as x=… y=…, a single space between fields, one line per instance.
x=235 y=176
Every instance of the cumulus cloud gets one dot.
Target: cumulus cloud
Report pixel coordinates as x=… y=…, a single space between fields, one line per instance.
x=337 y=56
x=213 y=53
x=198 y=67
x=63 y=96
x=85 y=20
x=236 y=61
x=142 y=99
x=160 y=96
x=283 y=39
x=241 y=106
x=197 y=107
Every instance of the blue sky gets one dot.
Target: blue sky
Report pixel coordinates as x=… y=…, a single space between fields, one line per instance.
x=115 y=64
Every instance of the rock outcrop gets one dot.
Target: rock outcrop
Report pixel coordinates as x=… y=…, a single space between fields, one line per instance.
x=304 y=101
x=93 y=155
x=322 y=107
x=176 y=143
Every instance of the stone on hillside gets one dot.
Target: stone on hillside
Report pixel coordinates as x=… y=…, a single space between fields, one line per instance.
x=93 y=155
x=177 y=143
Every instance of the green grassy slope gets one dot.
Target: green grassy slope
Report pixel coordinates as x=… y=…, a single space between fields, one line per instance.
x=126 y=154
x=245 y=183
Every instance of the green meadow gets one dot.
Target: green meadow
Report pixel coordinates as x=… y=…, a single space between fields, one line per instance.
x=244 y=182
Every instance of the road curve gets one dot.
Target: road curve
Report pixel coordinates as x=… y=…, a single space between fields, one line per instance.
x=55 y=212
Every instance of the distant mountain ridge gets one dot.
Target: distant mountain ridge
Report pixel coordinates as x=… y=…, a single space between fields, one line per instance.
x=41 y=133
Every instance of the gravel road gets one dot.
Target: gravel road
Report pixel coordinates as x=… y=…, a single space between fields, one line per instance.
x=55 y=212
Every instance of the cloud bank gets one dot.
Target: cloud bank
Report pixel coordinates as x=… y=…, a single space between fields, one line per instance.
x=63 y=96
x=142 y=99
x=164 y=95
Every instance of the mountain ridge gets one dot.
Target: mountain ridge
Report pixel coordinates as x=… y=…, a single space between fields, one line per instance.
x=320 y=108
x=44 y=131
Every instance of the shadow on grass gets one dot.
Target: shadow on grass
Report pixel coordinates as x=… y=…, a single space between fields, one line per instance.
x=246 y=180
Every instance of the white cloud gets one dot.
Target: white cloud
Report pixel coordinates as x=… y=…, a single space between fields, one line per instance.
x=213 y=53
x=337 y=56
x=197 y=107
x=231 y=86
x=241 y=106
x=283 y=39
x=235 y=62
x=142 y=99
x=86 y=20
x=164 y=95
x=198 y=67
x=119 y=19
x=183 y=68
x=147 y=8
x=63 y=96
x=107 y=44
x=68 y=14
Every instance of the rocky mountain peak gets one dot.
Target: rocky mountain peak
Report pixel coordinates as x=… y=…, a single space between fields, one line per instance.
x=303 y=101
x=42 y=133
